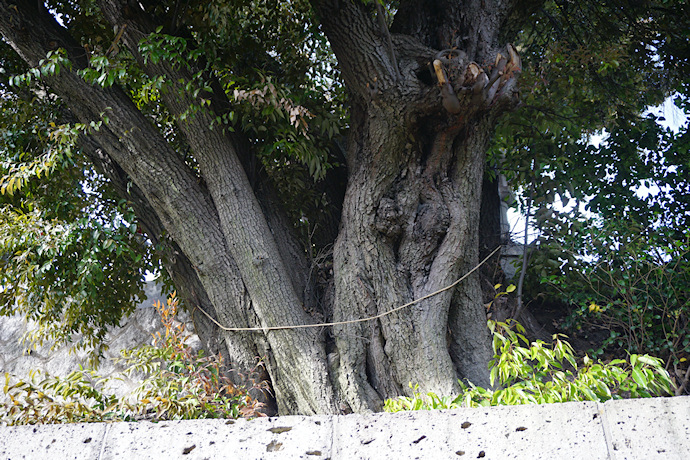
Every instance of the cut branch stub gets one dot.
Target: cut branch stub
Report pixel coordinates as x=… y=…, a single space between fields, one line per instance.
x=515 y=63
x=450 y=100
x=454 y=78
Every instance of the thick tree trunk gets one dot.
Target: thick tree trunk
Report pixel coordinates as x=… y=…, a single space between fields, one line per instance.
x=410 y=228
x=410 y=216
x=420 y=128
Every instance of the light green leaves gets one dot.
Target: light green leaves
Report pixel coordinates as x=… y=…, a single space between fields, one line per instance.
x=51 y=65
x=539 y=373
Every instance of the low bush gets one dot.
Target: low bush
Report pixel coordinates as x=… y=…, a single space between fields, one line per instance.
x=177 y=384
x=540 y=373
x=628 y=286
x=639 y=292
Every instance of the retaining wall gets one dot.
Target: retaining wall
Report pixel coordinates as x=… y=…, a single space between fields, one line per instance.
x=656 y=428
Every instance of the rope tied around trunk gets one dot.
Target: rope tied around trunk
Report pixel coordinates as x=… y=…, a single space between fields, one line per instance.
x=351 y=321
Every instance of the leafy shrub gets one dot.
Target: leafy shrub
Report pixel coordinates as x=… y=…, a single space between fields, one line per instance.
x=75 y=398
x=178 y=385
x=541 y=373
x=637 y=287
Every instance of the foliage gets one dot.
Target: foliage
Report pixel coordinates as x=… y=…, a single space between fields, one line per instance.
x=181 y=385
x=54 y=273
x=591 y=73
x=71 y=255
x=541 y=373
x=499 y=297
x=590 y=70
x=634 y=282
x=296 y=133
x=279 y=78
x=177 y=385
x=278 y=72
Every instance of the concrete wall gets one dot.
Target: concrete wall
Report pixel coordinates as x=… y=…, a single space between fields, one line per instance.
x=18 y=359
x=627 y=429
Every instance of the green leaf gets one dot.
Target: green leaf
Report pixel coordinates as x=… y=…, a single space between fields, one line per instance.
x=646 y=359
x=639 y=378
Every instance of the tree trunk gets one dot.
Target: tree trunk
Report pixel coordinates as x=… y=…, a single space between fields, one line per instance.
x=409 y=228
x=410 y=221
x=421 y=121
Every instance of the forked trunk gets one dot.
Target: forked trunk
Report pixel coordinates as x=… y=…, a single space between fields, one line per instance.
x=421 y=120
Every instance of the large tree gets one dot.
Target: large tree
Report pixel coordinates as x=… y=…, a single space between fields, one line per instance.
x=214 y=124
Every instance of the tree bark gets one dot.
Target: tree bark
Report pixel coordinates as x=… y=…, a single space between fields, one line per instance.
x=423 y=101
x=412 y=208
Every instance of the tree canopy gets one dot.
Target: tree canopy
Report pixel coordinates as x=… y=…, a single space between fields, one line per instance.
x=301 y=162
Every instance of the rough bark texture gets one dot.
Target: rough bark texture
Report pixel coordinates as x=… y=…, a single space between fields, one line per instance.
x=423 y=101
x=412 y=209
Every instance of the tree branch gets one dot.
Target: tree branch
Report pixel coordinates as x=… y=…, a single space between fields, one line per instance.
x=362 y=49
x=135 y=145
x=178 y=99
